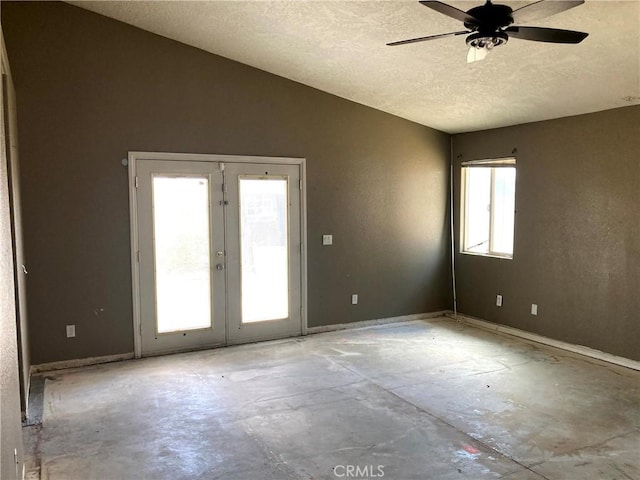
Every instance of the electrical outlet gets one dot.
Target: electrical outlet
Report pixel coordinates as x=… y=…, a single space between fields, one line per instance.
x=354 y=299
x=71 y=331
x=534 y=309
x=327 y=239
x=498 y=300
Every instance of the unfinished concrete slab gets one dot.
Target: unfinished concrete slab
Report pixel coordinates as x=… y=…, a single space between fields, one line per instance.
x=419 y=400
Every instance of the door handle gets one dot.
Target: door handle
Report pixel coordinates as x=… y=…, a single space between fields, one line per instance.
x=24 y=269
x=220 y=266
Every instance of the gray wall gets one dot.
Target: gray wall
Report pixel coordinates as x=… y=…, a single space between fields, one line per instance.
x=90 y=89
x=577 y=235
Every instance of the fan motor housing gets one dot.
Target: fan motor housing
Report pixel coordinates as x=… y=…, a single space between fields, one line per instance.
x=490 y=17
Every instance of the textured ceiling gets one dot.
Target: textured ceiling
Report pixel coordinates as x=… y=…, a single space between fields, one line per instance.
x=339 y=47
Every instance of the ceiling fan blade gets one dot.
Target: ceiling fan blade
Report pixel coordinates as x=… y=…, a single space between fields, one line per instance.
x=424 y=39
x=476 y=54
x=542 y=9
x=551 y=35
x=450 y=11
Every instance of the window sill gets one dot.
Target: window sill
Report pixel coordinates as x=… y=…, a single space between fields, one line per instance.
x=490 y=255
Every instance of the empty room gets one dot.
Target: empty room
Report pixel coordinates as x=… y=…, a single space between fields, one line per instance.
x=295 y=240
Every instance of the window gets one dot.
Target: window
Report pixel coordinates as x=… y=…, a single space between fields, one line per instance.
x=488 y=207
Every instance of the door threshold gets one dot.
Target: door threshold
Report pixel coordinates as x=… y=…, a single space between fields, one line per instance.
x=182 y=350
x=244 y=341
x=221 y=345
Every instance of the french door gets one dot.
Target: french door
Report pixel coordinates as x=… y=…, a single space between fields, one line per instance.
x=264 y=245
x=217 y=252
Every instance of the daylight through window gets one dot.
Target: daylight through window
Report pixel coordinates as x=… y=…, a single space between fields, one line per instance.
x=488 y=207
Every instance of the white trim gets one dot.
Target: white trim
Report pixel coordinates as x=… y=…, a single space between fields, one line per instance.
x=464 y=198
x=376 y=322
x=534 y=337
x=134 y=156
x=303 y=239
x=135 y=267
x=80 y=362
x=490 y=162
x=492 y=211
x=210 y=157
x=453 y=234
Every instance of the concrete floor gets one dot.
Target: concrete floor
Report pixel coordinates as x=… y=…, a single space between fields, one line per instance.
x=418 y=400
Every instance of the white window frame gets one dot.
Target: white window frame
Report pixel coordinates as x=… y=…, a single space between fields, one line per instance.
x=493 y=164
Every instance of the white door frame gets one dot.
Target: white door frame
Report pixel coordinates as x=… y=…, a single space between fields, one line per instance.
x=197 y=157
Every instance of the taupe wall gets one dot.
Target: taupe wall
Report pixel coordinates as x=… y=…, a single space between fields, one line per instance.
x=577 y=238
x=90 y=89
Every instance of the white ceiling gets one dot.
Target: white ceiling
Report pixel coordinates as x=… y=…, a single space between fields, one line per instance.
x=339 y=47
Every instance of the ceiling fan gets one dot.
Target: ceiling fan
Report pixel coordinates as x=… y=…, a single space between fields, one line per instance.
x=490 y=25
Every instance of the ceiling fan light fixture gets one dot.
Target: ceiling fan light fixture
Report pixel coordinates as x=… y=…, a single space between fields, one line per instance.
x=487 y=41
x=489 y=25
x=476 y=54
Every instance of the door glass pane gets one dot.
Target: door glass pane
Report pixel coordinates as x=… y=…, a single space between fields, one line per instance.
x=503 y=210
x=182 y=258
x=263 y=249
x=477 y=214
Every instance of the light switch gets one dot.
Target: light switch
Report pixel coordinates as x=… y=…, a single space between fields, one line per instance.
x=71 y=331
x=327 y=239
